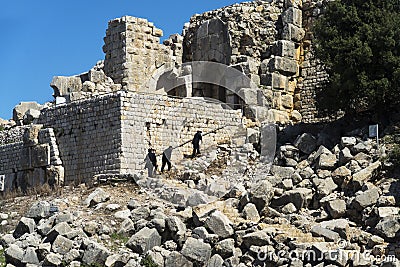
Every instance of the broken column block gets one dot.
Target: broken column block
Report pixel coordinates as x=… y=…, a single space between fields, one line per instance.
x=63 y=86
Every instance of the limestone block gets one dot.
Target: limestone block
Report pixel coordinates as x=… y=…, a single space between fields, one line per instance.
x=285 y=48
x=292 y=15
x=284 y=65
x=40 y=155
x=296 y=116
x=287 y=101
x=55 y=175
x=25 y=158
x=293 y=33
x=97 y=76
x=31 y=135
x=248 y=95
x=63 y=86
x=278 y=116
x=20 y=110
x=276 y=80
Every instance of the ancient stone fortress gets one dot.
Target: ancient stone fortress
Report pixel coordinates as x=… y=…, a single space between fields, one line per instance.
x=147 y=94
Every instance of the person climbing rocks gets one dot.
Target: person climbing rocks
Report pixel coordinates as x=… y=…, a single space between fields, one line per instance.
x=196 y=143
x=151 y=162
x=166 y=158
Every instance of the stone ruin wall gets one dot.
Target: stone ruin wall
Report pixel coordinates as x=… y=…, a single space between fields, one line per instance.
x=133 y=51
x=110 y=134
x=264 y=43
x=159 y=121
x=30 y=158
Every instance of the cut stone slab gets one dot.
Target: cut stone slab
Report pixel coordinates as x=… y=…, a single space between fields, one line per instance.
x=196 y=250
x=95 y=253
x=24 y=226
x=259 y=238
x=306 y=143
x=39 y=210
x=219 y=224
x=14 y=255
x=144 y=240
x=261 y=194
x=327 y=161
x=336 y=208
x=175 y=259
x=300 y=197
x=366 y=198
x=62 y=245
x=96 y=197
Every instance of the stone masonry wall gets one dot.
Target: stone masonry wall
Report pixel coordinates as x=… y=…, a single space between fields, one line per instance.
x=31 y=161
x=89 y=136
x=159 y=122
x=133 y=51
x=110 y=134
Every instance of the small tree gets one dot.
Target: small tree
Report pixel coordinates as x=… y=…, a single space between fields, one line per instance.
x=359 y=42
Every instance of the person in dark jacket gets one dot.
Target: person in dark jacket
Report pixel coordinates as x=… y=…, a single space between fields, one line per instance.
x=166 y=158
x=151 y=162
x=196 y=143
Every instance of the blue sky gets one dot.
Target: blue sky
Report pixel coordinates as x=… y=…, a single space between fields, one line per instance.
x=45 y=38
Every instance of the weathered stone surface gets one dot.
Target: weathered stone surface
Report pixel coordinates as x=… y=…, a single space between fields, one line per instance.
x=62 y=245
x=219 y=224
x=327 y=161
x=63 y=86
x=96 y=197
x=14 y=255
x=40 y=156
x=348 y=141
x=95 y=253
x=196 y=250
x=366 y=198
x=261 y=194
x=300 y=197
x=345 y=156
x=336 y=208
x=144 y=240
x=52 y=259
x=329 y=235
x=25 y=226
x=389 y=227
x=215 y=261
x=177 y=259
x=292 y=15
x=259 y=238
x=20 y=110
x=177 y=229
x=306 y=143
x=366 y=174
x=284 y=65
x=30 y=256
x=250 y=213
x=39 y=210
x=225 y=248
x=59 y=229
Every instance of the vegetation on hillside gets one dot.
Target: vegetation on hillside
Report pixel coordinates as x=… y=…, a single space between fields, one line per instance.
x=359 y=42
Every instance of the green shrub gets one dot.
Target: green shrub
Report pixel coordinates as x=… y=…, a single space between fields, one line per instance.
x=2 y=258
x=148 y=262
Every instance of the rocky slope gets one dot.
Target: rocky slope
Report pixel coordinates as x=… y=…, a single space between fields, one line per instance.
x=316 y=207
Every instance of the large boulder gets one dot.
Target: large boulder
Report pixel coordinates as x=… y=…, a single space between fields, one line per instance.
x=144 y=240
x=196 y=250
x=22 y=108
x=177 y=259
x=300 y=197
x=14 y=255
x=24 y=226
x=366 y=199
x=95 y=254
x=365 y=174
x=219 y=224
x=261 y=194
x=306 y=143
x=96 y=197
x=389 y=227
x=39 y=210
